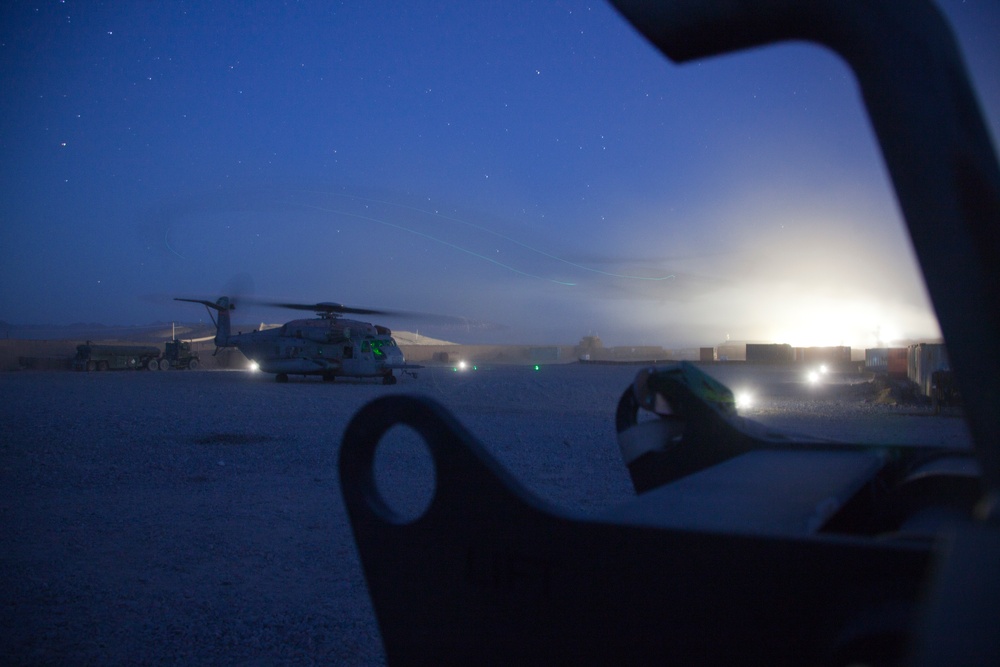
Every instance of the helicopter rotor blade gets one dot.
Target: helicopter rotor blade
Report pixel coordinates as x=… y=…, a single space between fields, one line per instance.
x=331 y=308
x=240 y=289
x=323 y=307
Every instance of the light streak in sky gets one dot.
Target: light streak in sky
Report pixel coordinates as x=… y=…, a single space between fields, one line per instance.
x=435 y=239
x=487 y=230
x=169 y=247
x=449 y=244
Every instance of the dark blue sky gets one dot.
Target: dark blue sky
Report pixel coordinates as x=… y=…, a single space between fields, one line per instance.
x=533 y=164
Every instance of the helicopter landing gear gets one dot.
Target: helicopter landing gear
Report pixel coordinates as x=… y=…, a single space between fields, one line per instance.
x=281 y=377
x=389 y=379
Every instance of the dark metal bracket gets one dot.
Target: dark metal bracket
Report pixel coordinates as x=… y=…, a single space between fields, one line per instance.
x=490 y=574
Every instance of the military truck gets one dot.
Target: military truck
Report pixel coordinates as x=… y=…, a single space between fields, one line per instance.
x=91 y=357
x=178 y=354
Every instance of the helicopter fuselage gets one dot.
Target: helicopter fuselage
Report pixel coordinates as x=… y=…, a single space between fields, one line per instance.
x=325 y=346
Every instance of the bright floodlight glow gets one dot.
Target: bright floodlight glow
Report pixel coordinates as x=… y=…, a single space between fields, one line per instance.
x=887 y=336
x=254 y=366
x=462 y=365
x=823 y=369
x=813 y=377
x=744 y=399
x=835 y=320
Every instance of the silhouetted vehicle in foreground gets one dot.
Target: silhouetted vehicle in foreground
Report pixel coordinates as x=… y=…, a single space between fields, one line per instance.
x=742 y=546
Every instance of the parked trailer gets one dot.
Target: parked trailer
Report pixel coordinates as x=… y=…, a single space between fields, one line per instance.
x=90 y=357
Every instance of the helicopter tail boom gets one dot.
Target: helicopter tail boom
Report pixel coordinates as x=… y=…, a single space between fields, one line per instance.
x=222 y=327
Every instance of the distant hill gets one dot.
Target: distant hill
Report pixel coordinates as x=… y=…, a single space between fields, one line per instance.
x=411 y=338
x=82 y=331
x=157 y=332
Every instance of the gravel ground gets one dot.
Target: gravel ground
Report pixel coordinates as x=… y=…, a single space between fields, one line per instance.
x=195 y=517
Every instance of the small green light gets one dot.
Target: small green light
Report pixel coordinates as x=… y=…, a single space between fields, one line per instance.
x=536 y=367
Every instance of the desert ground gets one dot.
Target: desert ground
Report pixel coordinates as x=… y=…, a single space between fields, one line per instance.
x=195 y=517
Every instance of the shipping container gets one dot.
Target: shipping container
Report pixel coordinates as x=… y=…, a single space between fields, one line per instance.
x=877 y=359
x=889 y=360
x=897 y=362
x=923 y=360
x=732 y=352
x=836 y=355
x=769 y=353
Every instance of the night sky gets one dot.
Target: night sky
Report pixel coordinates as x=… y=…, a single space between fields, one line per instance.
x=535 y=167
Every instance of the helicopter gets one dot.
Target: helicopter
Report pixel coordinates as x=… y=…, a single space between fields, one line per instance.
x=326 y=345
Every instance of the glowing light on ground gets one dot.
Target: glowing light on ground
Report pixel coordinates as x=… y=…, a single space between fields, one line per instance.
x=744 y=400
